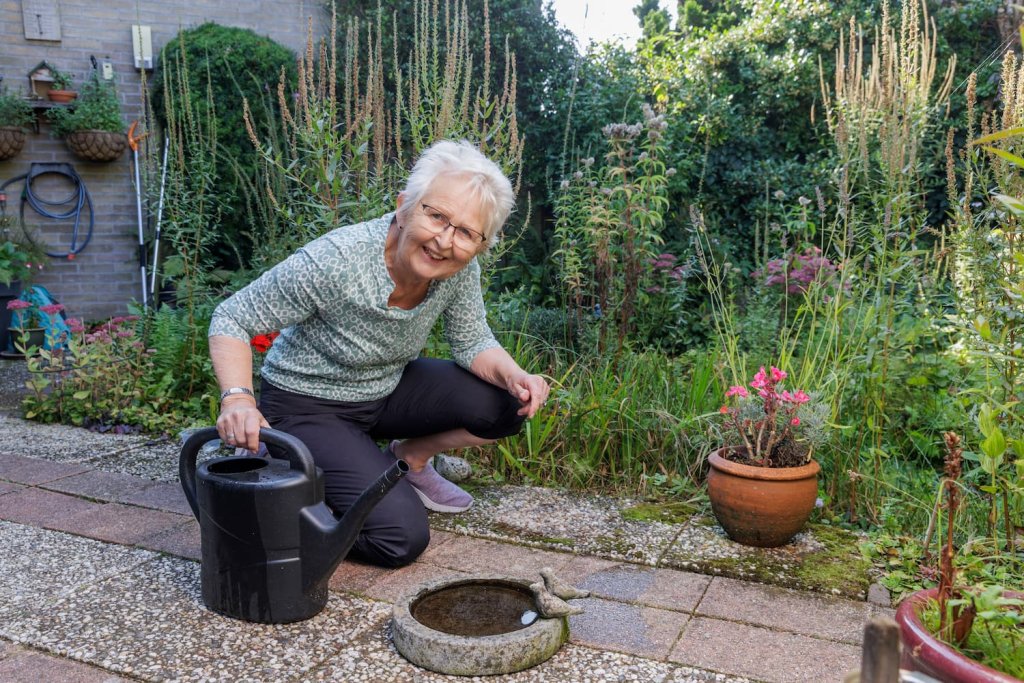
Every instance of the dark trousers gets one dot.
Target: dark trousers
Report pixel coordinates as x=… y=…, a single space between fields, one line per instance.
x=433 y=396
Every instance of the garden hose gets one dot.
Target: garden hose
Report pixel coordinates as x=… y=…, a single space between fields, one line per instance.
x=77 y=200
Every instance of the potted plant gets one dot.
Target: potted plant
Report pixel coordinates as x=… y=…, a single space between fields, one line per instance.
x=92 y=129
x=15 y=115
x=29 y=323
x=961 y=634
x=763 y=484
x=17 y=264
x=60 y=91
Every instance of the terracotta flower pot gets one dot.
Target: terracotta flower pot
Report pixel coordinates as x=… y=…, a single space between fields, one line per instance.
x=62 y=96
x=96 y=145
x=925 y=653
x=761 y=506
x=12 y=141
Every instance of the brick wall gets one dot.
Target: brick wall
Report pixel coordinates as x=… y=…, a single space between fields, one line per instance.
x=105 y=276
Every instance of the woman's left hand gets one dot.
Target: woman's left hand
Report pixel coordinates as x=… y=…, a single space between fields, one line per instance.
x=531 y=390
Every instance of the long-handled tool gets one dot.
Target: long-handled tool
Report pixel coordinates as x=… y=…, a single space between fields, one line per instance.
x=133 y=142
x=159 y=218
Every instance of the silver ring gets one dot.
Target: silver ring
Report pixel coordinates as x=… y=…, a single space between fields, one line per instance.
x=231 y=437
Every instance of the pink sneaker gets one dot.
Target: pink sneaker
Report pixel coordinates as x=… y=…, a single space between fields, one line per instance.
x=436 y=492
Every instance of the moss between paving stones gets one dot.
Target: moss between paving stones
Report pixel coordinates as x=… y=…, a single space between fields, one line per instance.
x=670 y=513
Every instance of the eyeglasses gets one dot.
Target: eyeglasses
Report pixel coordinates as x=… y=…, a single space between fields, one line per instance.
x=465 y=238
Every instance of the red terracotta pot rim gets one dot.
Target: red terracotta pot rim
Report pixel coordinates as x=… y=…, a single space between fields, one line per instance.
x=936 y=654
x=811 y=469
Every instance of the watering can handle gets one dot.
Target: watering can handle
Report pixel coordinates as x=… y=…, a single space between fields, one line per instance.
x=296 y=452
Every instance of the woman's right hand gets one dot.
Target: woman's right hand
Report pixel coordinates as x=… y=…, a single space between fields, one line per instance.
x=240 y=421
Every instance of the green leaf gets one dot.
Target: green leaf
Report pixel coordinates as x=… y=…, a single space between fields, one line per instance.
x=986 y=419
x=1012 y=203
x=1009 y=156
x=994 y=446
x=1000 y=135
x=982 y=326
x=1018 y=447
x=80 y=395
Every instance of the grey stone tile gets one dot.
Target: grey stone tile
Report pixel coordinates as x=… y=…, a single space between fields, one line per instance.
x=561 y=520
x=118 y=523
x=8 y=487
x=664 y=588
x=37 y=567
x=478 y=555
x=183 y=540
x=106 y=486
x=22 y=470
x=763 y=654
x=7 y=649
x=154 y=461
x=161 y=496
x=353 y=576
x=33 y=667
x=39 y=508
x=149 y=623
x=787 y=610
x=632 y=629
x=396 y=583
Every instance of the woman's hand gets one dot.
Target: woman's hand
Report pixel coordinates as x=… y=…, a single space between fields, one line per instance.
x=531 y=390
x=240 y=421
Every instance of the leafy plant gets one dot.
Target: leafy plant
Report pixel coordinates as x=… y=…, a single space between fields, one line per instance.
x=14 y=109
x=15 y=263
x=97 y=108
x=62 y=80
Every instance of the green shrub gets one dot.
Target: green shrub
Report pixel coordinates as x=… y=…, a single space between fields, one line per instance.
x=223 y=65
x=14 y=109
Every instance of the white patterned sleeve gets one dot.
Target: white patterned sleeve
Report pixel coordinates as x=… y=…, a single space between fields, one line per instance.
x=287 y=294
x=465 y=319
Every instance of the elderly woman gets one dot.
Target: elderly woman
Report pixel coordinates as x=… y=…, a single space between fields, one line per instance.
x=355 y=308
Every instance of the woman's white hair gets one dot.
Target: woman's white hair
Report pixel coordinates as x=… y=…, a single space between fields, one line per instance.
x=484 y=180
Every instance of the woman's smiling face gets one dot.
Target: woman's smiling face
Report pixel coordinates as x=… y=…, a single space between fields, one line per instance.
x=422 y=254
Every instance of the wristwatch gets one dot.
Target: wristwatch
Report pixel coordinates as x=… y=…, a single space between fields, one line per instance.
x=236 y=390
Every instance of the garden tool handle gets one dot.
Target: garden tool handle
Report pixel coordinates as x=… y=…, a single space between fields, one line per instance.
x=296 y=452
x=133 y=139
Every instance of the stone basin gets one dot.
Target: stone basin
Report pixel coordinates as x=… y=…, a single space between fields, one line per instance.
x=474 y=625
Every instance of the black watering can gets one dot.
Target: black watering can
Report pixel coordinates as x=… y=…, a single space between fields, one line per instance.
x=269 y=542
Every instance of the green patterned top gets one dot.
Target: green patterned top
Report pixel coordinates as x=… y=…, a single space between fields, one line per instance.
x=339 y=338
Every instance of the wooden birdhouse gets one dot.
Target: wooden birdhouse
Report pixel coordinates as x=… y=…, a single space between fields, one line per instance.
x=41 y=80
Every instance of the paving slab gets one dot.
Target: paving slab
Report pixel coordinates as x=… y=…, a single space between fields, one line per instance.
x=161 y=496
x=7 y=649
x=821 y=558
x=8 y=487
x=771 y=656
x=38 y=567
x=664 y=588
x=148 y=622
x=40 y=508
x=32 y=667
x=353 y=576
x=31 y=471
x=100 y=485
x=561 y=520
x=396 y=583
x=785 y=609
x=60 y=442
x=474 y=555
x=183 y=541
x=118 y=523
x=609 y=625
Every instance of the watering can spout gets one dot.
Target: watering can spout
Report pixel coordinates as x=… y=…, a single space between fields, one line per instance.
x=326 y=540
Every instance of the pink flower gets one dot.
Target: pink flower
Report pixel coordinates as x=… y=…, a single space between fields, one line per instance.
x=777 y=375
x=724 y=410
x=51 y=309
x=800 y=397
x=737 y=391
x=75 y=325
x=795 y=421
x=17 y=305
x=760 y=380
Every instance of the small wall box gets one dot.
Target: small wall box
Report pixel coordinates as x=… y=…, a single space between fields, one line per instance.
x=142 y=47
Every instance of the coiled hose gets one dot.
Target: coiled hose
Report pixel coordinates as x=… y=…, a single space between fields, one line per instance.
x=77 y=200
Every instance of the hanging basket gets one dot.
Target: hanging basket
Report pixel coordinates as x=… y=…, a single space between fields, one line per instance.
x=96 y=145
x=12 y=141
